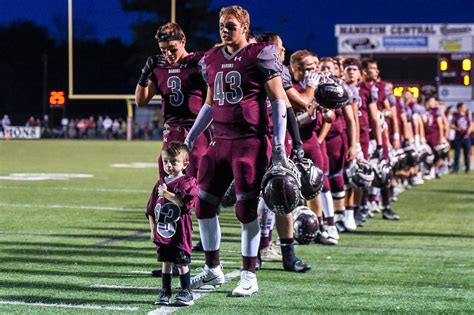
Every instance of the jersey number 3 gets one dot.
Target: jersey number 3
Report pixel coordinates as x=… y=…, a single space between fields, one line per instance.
x=176 y=97
x=235 y=94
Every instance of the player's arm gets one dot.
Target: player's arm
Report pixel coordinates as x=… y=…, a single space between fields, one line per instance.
x=202 y=122
x=152 y=227
x=351 y=131
x=439 y=120
x=323 y=132
x=277 y=96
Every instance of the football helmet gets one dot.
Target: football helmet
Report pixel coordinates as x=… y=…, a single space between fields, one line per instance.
x=331 y=92
x=311 y=178
x=442 y=150
x=229 y=198
x=401 y=159
x=426 y=155
x=305 y=224
x=412 y=155
x=360 y=174
x=382 y=173
x=281 y=187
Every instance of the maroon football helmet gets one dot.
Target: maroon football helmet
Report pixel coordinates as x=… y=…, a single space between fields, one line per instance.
x=311 y=178
x=331 y=93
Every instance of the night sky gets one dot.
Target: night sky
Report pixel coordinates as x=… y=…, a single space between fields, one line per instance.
x=307 y=24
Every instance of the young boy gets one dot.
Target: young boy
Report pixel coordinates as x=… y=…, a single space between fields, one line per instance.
x=169 y=213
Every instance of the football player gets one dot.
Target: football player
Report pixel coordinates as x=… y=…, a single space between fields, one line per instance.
x=239 y=76
x=434 y=130
x=174 y=74
x=340 y=143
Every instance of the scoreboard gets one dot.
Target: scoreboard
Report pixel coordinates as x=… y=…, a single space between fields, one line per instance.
x=426 y=59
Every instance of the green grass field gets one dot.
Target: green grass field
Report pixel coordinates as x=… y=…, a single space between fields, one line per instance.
x=84 y=242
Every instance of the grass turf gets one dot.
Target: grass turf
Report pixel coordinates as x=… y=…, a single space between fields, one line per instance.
x=60 y=240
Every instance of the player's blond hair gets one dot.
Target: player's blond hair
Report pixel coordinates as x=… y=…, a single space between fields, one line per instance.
x=297 y=57
x=239 y=13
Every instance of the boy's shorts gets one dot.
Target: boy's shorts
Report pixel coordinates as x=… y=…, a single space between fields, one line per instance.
x=174 y=255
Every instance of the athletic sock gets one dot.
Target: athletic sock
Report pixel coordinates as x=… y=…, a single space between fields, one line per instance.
x=185 y=280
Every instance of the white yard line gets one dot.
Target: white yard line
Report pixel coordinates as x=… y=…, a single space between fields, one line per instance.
x=54 y=206
x=118 y=239
x=83 y=189
x=122 y=287
x=196 y=293
x=79 y=306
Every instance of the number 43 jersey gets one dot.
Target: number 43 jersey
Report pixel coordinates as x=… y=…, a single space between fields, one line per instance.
x=182 y=90
x=237 y=86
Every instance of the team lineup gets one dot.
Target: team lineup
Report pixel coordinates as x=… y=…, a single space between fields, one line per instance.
x=314 y=149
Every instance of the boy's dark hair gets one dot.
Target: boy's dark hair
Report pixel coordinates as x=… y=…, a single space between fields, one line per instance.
x=267 y=37
x=458 y=105
x=351 y=61
x=174 y=148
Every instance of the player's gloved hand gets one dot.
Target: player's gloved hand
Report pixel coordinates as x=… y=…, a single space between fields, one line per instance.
x=297 y=153
x=359 y=153
x=151 y=63
x=312 y=78
x=374 y=93
x=279 y=155
x=378 y=153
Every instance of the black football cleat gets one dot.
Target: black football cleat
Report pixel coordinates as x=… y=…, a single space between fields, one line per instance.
x=184 y=298
x=297 y=266
x=388 y=214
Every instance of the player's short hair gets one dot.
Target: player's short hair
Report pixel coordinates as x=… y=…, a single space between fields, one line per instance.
x=267 y=37
x=351 y=61
x=458 y=105
x=328 y=59
x=366 y=62
x=297 y=57
x=169 y=31
x=238 y=12
x=175 y=148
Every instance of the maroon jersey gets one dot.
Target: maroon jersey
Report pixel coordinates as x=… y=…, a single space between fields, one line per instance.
x=173 y=224
x=338 y=126
x=462 y=122
x=431 y=126
x=182 y=89
x=382 y=93
x=365 y=100
x=237 y=85
x=307 y=129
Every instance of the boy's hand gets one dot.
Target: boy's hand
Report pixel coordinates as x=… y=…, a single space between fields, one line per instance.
x=162 y=189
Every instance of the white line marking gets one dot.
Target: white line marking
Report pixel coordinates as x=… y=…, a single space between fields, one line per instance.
x=106 y=286
x=83 y=189
x=80 y=306
x=196 y=293
x=140 y=271
x=136 y=165
x=43 y=176
x=26 y=205
x=118 y=239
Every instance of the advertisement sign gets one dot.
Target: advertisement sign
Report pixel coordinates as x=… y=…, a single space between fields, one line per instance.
x=20 y=133
x=454 y=92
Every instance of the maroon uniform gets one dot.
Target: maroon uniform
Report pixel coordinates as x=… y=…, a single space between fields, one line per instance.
x=462 y=122
x=241 y=147
x=183 y=90
x=431 y=127
x=174 y=227
x=365 y=100
x=337 y=151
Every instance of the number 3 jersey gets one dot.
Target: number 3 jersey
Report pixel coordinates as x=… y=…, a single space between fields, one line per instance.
x=182 y=89
x=173 y=224
x=237 y=85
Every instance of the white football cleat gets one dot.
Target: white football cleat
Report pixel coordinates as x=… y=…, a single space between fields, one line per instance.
x=247 y=285
x=332 y=233
x=208 y=278
x=349 y=222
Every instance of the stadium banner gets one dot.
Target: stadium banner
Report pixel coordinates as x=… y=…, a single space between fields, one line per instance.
x=417 y=38
x=18 y=132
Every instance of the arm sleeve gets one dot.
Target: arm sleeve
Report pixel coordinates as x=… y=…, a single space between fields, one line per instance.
x=203 y=69
x=279 y=121
x=286 y=78
x=203 y=120
x=188 y=194
x=269 y=63
x=292 y=126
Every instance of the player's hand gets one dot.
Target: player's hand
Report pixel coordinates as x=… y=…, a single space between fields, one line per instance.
x=359 y=153
x=351 y=153
x=378 y=153
x=374 y=94
x=279 y=155
x=151 y=63
x=312 y=78
x=328 y=115
x=297 y=153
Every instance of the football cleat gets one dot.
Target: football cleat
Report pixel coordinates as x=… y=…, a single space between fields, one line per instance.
x=164 y=298
x=247 y=285
x=208 y=278
x=184 y=298
x=388 y=214
x=332 y=233
x=349 y=222
x=339 y=220
x=359 y=218
x=323 y=239
x=297 y=266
